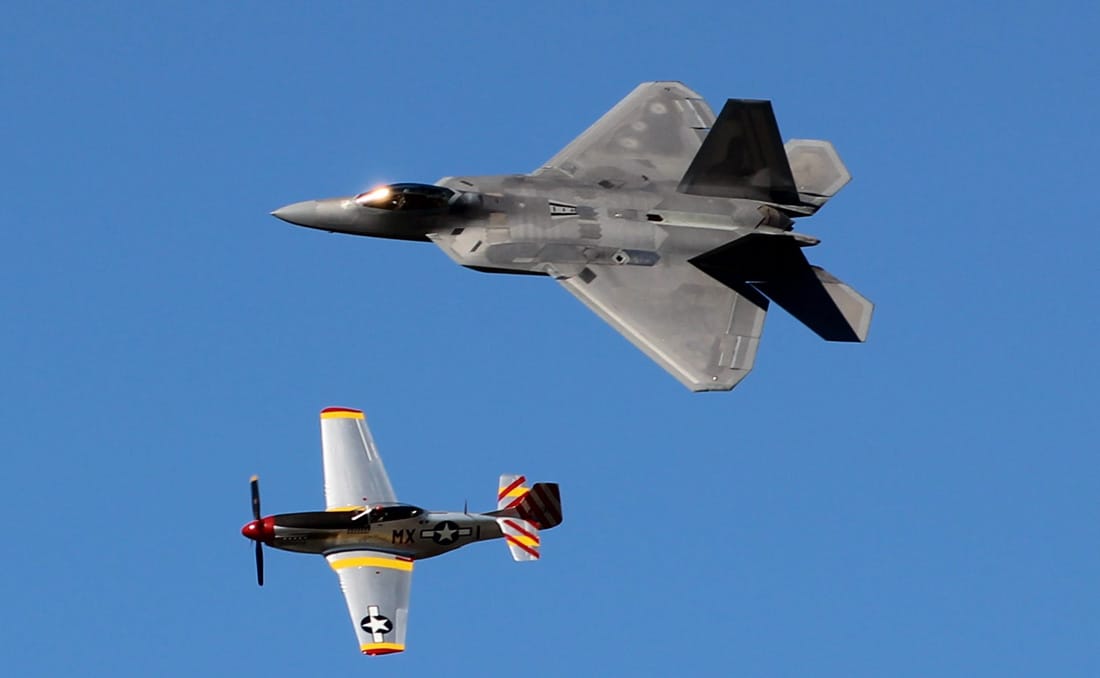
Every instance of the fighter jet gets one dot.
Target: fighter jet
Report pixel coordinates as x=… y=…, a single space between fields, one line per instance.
x=373 y=542
x=675 y=227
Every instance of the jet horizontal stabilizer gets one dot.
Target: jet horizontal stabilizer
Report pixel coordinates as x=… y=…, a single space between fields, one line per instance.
x=818 y=171
x=775 y=265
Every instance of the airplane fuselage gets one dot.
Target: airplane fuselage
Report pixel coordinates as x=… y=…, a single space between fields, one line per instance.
x=424 y=534
x=547 y=225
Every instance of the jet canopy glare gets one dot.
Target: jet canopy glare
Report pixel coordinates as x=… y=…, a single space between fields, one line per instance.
x=406 y=197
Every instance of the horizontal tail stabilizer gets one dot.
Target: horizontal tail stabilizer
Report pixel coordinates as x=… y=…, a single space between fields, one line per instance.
x=522 y=538
x=775 y=265
x=818 y=170
x=511 y=491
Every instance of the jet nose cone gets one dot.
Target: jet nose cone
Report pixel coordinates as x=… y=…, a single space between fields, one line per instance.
x=299 y=213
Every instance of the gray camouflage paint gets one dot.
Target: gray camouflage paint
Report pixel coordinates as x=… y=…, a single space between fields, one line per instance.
x=614 y=219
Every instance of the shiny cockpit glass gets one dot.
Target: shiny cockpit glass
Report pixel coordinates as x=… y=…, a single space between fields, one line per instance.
x=406 y=197
x=381 y=514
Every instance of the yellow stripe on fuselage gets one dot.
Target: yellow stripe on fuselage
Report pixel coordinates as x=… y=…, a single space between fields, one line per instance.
x=367 y=561
x=346 y=508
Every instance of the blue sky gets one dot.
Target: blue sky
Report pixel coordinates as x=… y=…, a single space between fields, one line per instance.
x=921 y=505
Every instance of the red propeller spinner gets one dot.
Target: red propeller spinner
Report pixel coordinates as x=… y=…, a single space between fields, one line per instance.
x=261 y=530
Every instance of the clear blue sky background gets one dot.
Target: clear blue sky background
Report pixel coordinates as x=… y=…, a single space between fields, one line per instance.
x=921 y=505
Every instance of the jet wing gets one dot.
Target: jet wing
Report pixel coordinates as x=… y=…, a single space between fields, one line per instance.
x=354 y=474
x=703 y=332
x=376 y=588
x=650 y=136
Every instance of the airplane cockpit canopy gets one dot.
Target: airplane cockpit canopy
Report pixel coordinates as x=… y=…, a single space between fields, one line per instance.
x=384 y=513
x=406 y=197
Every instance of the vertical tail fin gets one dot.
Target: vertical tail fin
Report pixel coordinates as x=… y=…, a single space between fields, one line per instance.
x=776 y=266
x=540 y=504
x=522 y=512
x=743 y=156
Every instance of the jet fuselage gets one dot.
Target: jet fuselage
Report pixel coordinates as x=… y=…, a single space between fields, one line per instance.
x=528 y=224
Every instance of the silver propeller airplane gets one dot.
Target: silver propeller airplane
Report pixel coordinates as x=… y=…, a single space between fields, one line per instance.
x=372 y=541
x=674 y=226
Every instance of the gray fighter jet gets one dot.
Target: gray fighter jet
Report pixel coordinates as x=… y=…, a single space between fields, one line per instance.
x=372 y=541
x=673 y=226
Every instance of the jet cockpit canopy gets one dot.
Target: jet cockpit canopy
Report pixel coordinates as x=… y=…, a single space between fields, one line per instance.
x=406 y=197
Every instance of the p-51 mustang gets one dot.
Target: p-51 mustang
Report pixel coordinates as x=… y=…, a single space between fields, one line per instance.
x=675 y=227
x=372 y=541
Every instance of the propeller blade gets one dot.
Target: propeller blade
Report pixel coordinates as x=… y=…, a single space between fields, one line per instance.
x=259 y=564
x=255 y=485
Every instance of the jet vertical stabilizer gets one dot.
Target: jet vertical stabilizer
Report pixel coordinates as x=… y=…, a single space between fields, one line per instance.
x=775 y=265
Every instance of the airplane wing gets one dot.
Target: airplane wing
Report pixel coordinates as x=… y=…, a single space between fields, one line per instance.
x=703 y=332
x=354 y=474
x=650 y=136
x=376 y=588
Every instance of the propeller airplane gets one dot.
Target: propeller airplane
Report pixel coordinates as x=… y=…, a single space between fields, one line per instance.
x=372 y=541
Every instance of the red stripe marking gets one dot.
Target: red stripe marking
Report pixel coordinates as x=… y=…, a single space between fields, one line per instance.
x=518 y=481
x=525 y=547
x=517 y=528
x=517 y=501
x=341 y=409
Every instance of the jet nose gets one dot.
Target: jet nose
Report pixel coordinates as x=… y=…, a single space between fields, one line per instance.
x=339 y=215
x=300 y=213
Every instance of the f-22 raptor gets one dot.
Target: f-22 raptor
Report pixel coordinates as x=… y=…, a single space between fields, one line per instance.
x=674 y=226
